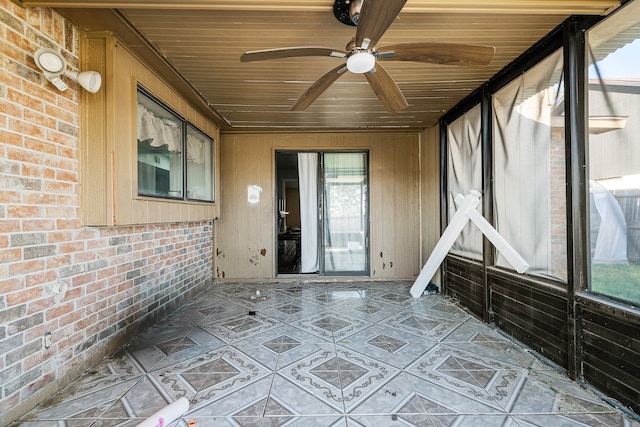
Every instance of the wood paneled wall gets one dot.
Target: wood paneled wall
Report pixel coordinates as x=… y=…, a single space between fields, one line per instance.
x=245 y=233
x=430 y=193
x=109 y=167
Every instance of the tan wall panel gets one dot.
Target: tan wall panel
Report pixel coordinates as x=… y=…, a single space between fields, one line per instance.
x=111 y=129
x=245 y=234
x=430 y=192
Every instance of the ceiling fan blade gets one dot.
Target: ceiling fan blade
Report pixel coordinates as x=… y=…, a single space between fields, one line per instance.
x=466 y=55
x=386 y=89
x=318 y=88
x=375 y=18
x=290 y=52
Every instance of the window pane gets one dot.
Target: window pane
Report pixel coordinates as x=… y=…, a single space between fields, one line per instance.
x=199 y=165
x=529 y=168
x=345 y=211
x=159 y=136
x=465 y=174
x=614 y=154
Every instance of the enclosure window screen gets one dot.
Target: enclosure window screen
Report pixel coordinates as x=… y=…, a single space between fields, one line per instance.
x=529 y=168
x=464 y=163
x=613 y=51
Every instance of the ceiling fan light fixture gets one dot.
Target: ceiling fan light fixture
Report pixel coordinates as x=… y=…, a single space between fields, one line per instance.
x=361 y=62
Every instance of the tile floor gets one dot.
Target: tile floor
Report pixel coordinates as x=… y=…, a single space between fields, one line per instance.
x=325 y=354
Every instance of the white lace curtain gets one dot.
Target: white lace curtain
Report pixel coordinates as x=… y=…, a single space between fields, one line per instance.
x=155 y=131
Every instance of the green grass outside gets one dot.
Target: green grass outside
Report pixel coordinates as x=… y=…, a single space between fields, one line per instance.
x=617 y=280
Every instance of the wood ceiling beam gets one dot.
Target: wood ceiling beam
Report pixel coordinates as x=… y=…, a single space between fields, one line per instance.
x=597 y=7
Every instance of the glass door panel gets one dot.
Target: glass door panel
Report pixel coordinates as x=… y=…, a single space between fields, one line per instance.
x=345 y=225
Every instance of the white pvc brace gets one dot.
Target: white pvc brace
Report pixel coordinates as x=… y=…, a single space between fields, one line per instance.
x=466 y=211
x=167 y=415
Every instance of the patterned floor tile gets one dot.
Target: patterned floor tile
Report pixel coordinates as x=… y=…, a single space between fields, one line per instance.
x=337 y=353
x=239 y=327
x=330 y=325
x=438 y=399
x=287 y=398
x=230 y=404
x=552 y=393
x=339 y=378
x=388 y=345
x=158 y=349
x=422 y=325
x=422 y=420
x=574 y=420
x=488 y=380
x=67 y=405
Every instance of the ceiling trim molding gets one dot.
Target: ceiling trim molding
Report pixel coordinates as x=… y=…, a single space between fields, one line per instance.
x=591 y=7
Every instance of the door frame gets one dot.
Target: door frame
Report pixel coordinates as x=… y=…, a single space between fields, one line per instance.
x=321 y=212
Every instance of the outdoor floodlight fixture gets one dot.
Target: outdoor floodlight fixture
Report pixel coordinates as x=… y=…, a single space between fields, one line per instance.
x=53 y=66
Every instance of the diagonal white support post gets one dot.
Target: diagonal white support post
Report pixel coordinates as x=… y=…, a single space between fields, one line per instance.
x=448 y=238
x=466 y=211
x=517 y=262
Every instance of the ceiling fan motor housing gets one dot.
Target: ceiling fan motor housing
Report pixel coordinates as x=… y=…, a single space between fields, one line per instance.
x=347 y=11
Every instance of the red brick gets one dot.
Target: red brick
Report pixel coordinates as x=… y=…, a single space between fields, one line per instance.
x=30 y=170
x=70 y=247
x=83 y=279
x=38 y=199
x=11 y=138
x=9 y=197
x=67 y=224
x=84 y=322
x=60 y=212
x=25 y=128
x=60 y=310
x=23 y=296
x=9 y=225
x=11 y=285
x=10 y=255
x=26 y=267
x=39 y=145
x=33 y=17
x=58 y=261
x=37 y=224
x=24 y=212
x=36 y=306
x=10 y=109
x=42 y=277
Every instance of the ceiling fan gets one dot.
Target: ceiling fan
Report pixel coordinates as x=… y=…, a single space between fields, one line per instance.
x=373 y=18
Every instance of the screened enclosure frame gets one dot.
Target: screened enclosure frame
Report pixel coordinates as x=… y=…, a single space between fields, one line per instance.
x=583 y=317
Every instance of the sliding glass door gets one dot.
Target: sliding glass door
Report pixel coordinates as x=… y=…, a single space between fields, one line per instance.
x=345 y=222
x=322 y=213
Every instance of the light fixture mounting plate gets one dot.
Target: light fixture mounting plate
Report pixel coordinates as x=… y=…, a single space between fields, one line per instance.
x=50 y=61
x=341 y=11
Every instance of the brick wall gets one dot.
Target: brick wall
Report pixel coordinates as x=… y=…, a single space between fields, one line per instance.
x=92 y=288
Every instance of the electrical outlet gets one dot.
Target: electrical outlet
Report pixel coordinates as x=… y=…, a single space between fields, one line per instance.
x=48 y=339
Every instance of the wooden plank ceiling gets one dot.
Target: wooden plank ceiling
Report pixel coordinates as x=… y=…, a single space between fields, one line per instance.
x=198 y=43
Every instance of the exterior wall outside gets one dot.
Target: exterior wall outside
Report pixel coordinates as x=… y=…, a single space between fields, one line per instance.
x=245 y=245
x=113 y=280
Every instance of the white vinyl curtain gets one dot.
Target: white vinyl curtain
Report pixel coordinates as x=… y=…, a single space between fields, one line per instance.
x=529 y=168
x=308 y=183
x=465 y=174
